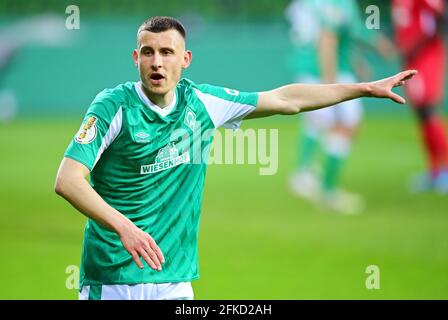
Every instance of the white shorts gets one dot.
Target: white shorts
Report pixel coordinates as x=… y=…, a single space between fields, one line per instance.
x=347 y=114
x=144 y=291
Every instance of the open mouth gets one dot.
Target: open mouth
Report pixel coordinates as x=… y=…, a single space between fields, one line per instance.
x=156 y=76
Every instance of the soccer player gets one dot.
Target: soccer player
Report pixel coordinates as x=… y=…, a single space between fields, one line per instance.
x=324 y=35
x=137 y=143
x=418 y=26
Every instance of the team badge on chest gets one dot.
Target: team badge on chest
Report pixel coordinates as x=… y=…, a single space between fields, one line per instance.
x=190 y=118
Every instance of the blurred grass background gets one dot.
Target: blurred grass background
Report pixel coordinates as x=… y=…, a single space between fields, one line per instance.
x=256 y=240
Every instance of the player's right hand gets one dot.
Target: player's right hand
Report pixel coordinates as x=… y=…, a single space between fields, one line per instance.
x=140 y=244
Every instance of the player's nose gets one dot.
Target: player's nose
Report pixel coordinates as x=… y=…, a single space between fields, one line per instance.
x=156 y=62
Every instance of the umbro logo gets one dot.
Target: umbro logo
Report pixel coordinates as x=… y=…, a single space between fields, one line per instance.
x=142 y=137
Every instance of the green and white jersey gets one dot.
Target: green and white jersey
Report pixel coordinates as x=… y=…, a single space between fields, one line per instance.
x=149 y=163
x=309 y=17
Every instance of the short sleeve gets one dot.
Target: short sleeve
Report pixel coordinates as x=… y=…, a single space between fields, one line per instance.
x=101 y=125
x=226 y=107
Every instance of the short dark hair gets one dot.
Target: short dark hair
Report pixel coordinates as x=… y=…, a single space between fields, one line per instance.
x=160 y=24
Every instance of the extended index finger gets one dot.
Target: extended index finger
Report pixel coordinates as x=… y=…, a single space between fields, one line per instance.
x=406 y=75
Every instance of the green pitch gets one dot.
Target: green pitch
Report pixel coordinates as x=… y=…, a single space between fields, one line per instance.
x=256 y=241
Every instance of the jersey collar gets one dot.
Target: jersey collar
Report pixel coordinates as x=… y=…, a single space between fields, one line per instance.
x=163 y=112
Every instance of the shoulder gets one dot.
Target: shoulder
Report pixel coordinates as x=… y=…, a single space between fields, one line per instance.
x=120 y=93
x=199 y=90
x=109 y=101
x=189 y=85
x=186 y=83
x=203 y=87
x=217 y=95
x=186 y=86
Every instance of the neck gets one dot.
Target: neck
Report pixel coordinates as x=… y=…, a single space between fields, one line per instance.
x=161 y=100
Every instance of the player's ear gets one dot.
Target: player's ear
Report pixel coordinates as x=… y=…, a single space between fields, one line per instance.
x=188 y=56
x=135 y=56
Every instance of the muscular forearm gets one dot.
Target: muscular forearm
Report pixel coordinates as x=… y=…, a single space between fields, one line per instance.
x=295 y=98
x=307 y=97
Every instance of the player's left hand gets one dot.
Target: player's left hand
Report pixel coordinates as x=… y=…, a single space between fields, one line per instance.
x=383 y=88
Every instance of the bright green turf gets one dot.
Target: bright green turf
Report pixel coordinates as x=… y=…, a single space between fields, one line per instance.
x=256 y=241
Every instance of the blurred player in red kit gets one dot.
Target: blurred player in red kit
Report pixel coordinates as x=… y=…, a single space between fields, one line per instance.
x=418 y=29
